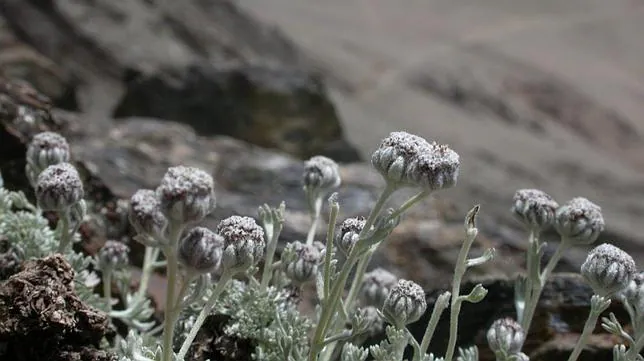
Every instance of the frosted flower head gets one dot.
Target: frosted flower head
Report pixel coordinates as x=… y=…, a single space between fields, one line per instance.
x=200 y=251
x=579 y=221
x=376 y=286
x=186 y=194
x=243 y=242
x=113 y=255
x=300 y=262
x=505 y=336
x=145 y=215
x=349 y=234
x=59 y=187
x=608 y=269
x=405 y=303
x=434 y=169
x=45 y=149
x=321 y=173
x=534 y=208
x=404 y=159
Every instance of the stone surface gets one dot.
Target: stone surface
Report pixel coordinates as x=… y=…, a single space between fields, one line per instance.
x=39 y=303
x=202 y=63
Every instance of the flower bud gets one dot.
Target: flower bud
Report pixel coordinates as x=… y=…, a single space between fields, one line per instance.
x=186 y=194
x=367 y=320
x=608 y=269
x=243 y=242
x=405 y=303
x=321 y=173
x=579 y=221
x=534 y=208
x=59 y=187
x=434 y=169
x=634 y=293
x=113 y=255
x=146 y=217
x=200 y=251
x=376 y=286
x=505 y=336
x=395 y=154
x=300 y=261
x=45 y=149
x=349 y=234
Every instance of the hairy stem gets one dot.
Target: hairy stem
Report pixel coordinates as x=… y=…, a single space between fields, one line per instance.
x=267 y=272
x=107 y=288
x=65 y=233
x=315 y=219
x=439 y=307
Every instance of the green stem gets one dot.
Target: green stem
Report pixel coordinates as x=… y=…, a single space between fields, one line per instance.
x=107 y=289
x=459 y=271
x=439 y=307
x=315 y=219
x=330 y=235
x=149 y=259
x=589 y=326
x=205 y=312
x=409 y=203
x=267 y=272
x=170 y=314
x=337 y=337
x=65 y=234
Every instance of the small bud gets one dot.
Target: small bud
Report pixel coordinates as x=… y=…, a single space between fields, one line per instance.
x=321 y=173
x=608 y=269
x=477 y=295
x=579 y=221
x=376 y=286
x=634 y=293
x=59 y=187
x=146 y=217
x=368 y=321
x=113 y=255
x=405 y=303
x=243 y=242
x=300 y=261
x=435 y=169
x=201 y=250
x=45 y=149
x=505 y=336
x=534 y=208
x=186 y=194
x=349 y=234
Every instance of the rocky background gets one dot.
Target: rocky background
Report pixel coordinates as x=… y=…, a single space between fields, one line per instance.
x=141 y=85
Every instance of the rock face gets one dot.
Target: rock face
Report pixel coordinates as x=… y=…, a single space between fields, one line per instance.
x=202 y=63
x=39 y=304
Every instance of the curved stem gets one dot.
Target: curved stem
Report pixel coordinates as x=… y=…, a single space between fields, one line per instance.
x=221 y=285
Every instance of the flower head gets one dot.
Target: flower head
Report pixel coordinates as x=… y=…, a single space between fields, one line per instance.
x=300 y=261
x=579 y=221
x=405 y=303
x=376 y=286
x=349 y=234
x=59 y=187
x=113 y=255
x=45 y=149
x=243 y=242
x=534 y=208
x=608 y=269
x=505 y=336
x=146 y=217
x=321 y=173
x=201 y=250
x=435 y=169
x=186 y=194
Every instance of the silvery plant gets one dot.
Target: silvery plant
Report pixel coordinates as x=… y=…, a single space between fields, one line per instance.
x=235 y=269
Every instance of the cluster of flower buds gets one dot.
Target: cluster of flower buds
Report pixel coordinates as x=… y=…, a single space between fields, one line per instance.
x=534 y=208
x=349 y=234
x=300 y=262
x=59 y=187
x=579 y=221
x=405 y=304
x=45 y=149
x=321 y=174
x=376 y=286
x=113 y=255
x=608 y=269
x=244 y=242
x=200 y=251
x=505 y=338
x=405 y=159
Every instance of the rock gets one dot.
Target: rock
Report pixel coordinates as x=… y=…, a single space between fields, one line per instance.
x=39 y=303
x=163 y=59
x=282 y=108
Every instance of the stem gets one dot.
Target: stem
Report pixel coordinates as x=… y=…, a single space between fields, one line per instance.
x=439 y=307
x=538 y=284
x=330 y=235
x=205 y=312
x=170 y=314
x=270 y=252
x=589 y=326
x=337 y=337
x=315 y=218
x=634 y=350
x=459 y=271
x=149 y=259
x=107 y=288
x=65 y=234
x=409 y=203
